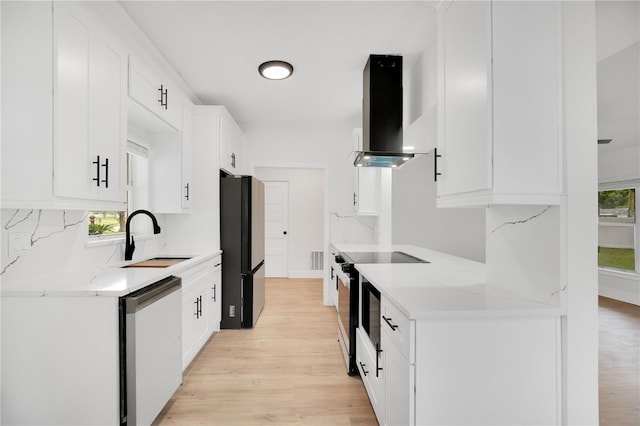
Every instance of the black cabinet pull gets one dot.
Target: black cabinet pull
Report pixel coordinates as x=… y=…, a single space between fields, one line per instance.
x=186 y=187
x=363 y=366
x=106 y=173
x=389 y=323
x=214 y=292
x=200 y=306
x=97 y=178
x=164 y=96
x=354 y=198
x=233 y=160
x=378 y=352
x=197 y=314
x=436 y=173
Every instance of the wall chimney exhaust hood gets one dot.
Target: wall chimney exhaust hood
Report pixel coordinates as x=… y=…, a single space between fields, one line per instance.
x=382 y=114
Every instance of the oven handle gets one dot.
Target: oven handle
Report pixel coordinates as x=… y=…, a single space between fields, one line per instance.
x=363 y=368
x=378 y=352
x=344 y=278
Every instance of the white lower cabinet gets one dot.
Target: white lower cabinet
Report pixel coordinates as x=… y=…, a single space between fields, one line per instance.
x=372 y=377
x=199 y=307
x=215 y=297
x=399 y=384
x=447 y=368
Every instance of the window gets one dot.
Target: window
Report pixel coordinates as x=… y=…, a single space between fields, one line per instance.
x=104 y=223
x=617 y=230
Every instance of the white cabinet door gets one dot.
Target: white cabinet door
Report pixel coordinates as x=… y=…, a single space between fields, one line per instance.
x=197 y=309
x=188 y=320
x=399 y=385
x=499 y=93
x=201 y=326
x=89 y=111
x=366 y=184
x=215 y=297
x=155 y=92
x=75 y=41
x=366 y=191
x=185 y=138
x=229 y=144
x=373 y=379
x=466 y=98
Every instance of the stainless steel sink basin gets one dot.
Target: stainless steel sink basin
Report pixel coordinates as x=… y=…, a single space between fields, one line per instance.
x=157 y=262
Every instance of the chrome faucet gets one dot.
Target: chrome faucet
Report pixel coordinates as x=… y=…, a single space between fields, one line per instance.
x=130 y=244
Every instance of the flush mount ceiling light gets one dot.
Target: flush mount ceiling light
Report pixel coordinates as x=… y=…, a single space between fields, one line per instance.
x=275 y=70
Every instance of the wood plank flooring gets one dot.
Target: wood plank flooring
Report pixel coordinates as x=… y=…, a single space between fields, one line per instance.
x=289 y=368
x=619 y=363
x=286 y=370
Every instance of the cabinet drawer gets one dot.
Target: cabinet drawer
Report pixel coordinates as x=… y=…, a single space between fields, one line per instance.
x=196 y=274
x=373 y=383
x=399 y=328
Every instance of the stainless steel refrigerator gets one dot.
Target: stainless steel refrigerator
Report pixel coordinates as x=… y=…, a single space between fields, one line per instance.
x=242 y=244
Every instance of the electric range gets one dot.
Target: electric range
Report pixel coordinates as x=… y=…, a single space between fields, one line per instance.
x=347 y=282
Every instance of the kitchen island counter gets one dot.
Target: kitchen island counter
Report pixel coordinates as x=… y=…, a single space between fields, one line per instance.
x=447 y=286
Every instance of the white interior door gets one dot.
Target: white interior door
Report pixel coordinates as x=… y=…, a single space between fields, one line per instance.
x=276 y=222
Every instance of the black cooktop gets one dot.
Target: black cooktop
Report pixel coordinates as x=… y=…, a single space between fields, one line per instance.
x=380 y=257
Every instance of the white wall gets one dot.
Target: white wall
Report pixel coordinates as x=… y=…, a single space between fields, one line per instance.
x=579 y=215
x=415 y=218
x=305 y=230
x=58 y=241
x=325 y=145
x=417 y=221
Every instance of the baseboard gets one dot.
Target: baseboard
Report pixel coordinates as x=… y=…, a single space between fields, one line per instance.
x=623 y=287
x=306 y=274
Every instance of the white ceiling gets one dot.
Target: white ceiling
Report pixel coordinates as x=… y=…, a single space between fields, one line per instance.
x=216 y=46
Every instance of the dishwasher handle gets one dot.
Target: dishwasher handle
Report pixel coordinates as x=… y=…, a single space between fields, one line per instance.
x=144 y=297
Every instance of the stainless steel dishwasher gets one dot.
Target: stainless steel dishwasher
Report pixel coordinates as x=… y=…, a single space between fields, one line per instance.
x=150 y=350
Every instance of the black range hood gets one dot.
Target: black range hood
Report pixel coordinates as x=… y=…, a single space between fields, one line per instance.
x=382 y=114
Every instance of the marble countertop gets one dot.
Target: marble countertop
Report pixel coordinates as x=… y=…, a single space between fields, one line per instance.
x=447 y=287
x=111 y=280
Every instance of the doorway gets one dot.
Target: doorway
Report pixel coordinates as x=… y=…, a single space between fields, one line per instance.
x=295 y=204
x=276 y=223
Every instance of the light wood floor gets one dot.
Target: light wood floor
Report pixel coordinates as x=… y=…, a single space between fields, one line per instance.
x=289 y=368
x=619 y=363
x=286 y=370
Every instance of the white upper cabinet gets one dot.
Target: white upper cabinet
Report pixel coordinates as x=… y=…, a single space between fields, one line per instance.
x=89 y=111
x=155 y=92
x=67 y=116
x=499 y=98
x=366 y=184
x=186 y=164
x=170 y=186
x=230 y=135
x=64 y=120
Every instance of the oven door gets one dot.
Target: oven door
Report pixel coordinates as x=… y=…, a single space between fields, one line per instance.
x=370 y=320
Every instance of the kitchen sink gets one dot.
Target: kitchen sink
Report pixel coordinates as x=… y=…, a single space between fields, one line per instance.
x=157 y=262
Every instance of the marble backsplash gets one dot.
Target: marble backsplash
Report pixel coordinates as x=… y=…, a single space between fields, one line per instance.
x=351 y=228
x=56 y=240
x=524 y=252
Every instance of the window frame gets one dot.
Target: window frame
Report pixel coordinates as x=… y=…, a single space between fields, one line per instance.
x=623 y=222
x=140 y=150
